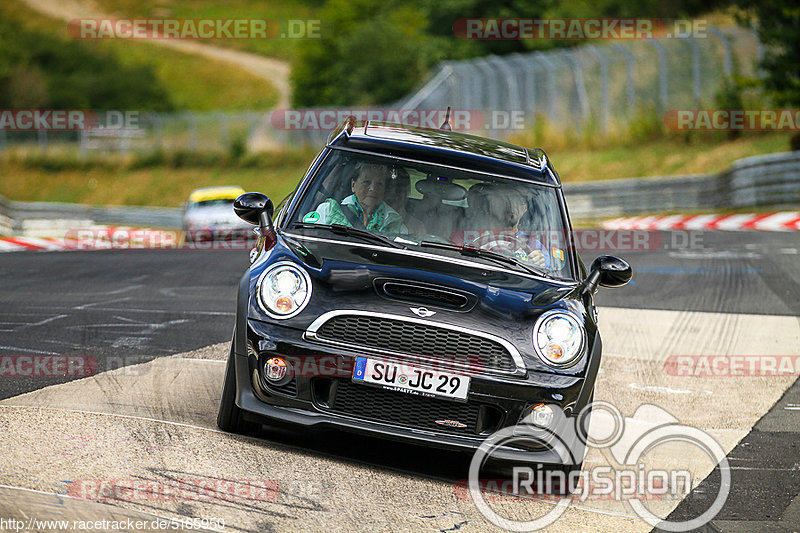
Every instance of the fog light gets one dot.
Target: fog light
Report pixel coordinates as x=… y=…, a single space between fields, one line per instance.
x=540 y=415
x=275 y=369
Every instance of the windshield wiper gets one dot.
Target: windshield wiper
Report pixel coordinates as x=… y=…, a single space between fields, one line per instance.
x=341 y=229
x=470 y=251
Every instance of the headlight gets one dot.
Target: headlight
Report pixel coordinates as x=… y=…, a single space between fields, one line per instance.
x=283 y=290
x=558 y=338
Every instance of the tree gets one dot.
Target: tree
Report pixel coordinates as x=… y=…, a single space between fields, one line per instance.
x=778 y=25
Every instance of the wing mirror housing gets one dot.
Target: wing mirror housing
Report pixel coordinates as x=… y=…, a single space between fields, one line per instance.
x=607 y=271
x=255 y=208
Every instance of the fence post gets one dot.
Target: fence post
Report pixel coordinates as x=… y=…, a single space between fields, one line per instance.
x=695 y=69
x=476 y=89
x=662 y=73
x=528 y=68
x=727 y=58
x=550 y=76
x=511 y=82
x=630 y=65
x=580 y=86
x=604 y=111
x=490 y=98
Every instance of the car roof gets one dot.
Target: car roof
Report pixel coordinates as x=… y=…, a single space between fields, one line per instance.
x=447 y=148
x=227 y=192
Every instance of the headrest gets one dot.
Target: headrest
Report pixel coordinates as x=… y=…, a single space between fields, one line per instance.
x=441 y=188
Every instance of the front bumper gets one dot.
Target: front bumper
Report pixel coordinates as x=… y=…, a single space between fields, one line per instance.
x=311 y=397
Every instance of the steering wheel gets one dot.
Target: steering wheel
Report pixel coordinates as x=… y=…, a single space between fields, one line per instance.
x=500 y=242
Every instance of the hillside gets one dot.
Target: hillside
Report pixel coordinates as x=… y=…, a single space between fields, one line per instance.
x=188 y=81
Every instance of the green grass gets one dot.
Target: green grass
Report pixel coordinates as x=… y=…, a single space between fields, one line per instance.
x=154 y=181
x=166 y=180
x=278 y=10
x=193 y=82
x=661 y=157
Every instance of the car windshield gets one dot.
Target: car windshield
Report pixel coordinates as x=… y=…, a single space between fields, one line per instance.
x=440 y=210
x=212 y=203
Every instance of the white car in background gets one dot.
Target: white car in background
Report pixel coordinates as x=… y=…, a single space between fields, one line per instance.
x=208 y=215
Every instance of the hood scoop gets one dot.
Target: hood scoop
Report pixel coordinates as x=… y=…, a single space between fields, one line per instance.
x=426 y=294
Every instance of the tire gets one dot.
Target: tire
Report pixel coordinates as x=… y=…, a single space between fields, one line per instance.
x=229 y=417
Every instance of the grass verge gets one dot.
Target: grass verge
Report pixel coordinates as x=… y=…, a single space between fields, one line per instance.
x=156 y=180
x=167 y=179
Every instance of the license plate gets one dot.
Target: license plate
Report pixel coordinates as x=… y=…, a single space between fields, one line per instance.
x=410 y=379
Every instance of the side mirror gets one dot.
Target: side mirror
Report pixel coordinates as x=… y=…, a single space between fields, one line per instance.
x=607 y=271
x=255 y=208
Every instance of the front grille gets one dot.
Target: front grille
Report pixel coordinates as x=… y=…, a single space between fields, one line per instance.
x=424 y=295
x=417 y=339
x=418 y=412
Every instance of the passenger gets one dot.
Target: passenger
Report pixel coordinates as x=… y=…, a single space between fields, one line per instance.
x=365 y=208
x=397 y=197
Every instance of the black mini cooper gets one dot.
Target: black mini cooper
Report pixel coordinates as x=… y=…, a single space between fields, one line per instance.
x=419 y=285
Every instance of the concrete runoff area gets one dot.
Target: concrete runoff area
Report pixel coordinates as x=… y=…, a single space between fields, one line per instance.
x=154 y=423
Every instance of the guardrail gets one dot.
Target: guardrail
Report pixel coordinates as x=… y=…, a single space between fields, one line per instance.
x=759 y=181
x=43 y=217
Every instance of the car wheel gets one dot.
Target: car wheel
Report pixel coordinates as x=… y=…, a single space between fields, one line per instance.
x=229 y=417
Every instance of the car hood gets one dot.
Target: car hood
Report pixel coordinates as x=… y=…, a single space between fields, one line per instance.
x=212 y=215
x=350 y=265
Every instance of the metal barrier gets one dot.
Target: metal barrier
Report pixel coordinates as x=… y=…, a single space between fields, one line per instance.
x=41 y=217
x=767 y=180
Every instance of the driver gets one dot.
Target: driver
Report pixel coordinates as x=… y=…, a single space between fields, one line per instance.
x=365 y=208
x=504 y=209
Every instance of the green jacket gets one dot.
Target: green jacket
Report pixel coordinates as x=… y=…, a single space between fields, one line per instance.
x=384 y=218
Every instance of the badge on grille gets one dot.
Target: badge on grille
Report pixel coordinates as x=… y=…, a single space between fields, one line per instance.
x=451 y=423
x=421 y=311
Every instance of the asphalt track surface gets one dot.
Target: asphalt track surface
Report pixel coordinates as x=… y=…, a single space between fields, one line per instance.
x=149 y=414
